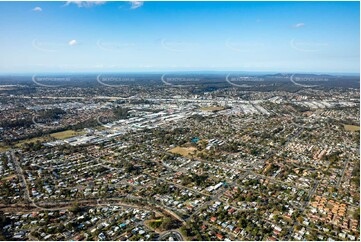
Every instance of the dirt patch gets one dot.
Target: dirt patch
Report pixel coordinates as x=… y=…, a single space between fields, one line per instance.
x=184 y=151
x=351 y=127
x=211 y=109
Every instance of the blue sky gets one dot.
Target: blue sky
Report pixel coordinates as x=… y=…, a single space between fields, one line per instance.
x=165 y=36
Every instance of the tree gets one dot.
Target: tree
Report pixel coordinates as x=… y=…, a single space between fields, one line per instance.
x=75 y=208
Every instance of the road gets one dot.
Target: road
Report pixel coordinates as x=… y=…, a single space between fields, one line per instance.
x=173 y=233
x=342 y=174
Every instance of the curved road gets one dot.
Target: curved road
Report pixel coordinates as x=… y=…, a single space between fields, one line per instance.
x=174 y=233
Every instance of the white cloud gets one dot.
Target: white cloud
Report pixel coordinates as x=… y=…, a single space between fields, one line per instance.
x=136 y=4
x=299 y=25
x=72 y=42
x=85 y=4
x=37 y=9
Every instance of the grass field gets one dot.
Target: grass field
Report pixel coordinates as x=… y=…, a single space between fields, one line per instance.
x=351 y=127
x=211 y=108
x=33 y=140
x=3 y=147
x=66 y=134
x=8 y=177
x=183 y=151
x=59 y=135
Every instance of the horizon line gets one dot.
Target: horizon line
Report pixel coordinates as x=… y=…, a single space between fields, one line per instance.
x=175 y=71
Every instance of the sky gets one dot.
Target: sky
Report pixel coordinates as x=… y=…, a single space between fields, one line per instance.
x=312 y=37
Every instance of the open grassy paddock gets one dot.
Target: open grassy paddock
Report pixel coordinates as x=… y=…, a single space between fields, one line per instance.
x=66 y=134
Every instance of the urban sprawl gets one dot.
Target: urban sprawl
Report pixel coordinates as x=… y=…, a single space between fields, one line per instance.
x=179 y=162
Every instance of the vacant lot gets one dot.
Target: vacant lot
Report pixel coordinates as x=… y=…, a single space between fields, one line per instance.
x=66 y=134
x=351 y=127
x=184 y=151
x=212 y=108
